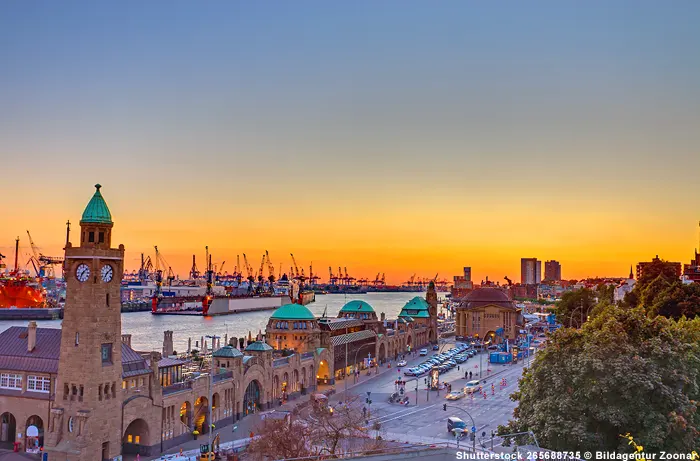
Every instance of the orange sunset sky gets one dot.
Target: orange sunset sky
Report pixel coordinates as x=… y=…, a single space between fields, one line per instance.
x=394 y=137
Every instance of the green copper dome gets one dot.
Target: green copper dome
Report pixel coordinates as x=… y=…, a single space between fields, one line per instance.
x=258 y=346
x=96 y=211
x=293 y=312
x=228 y=352
x=357 y=306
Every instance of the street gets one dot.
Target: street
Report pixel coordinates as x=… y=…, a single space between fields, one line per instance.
x=427 y=421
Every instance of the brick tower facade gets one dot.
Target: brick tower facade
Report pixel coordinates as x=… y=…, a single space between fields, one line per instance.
x=432 y=299
x=86 y=421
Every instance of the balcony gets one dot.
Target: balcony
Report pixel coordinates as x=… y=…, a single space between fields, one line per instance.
x=280 y=362
x=179 y=387
x=221 y=376
x=307 y=356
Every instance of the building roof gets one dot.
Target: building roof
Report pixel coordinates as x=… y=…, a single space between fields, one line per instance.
x=228 y=352
x=292 y=312
x=485 y=297
x=340 y=324
x=352 y=337
x=417 y=303
x=258 y=346
x=408 y=314
x=96 y=210
x=44 y=358
x=357 y=306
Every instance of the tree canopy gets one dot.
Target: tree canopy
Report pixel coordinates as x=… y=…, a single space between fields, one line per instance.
x=622 y=372
x=574 y=307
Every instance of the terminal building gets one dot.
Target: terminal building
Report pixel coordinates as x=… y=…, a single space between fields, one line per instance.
x=488 y=314
x=82 y=393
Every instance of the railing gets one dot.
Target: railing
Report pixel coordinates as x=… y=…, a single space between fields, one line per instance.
x=307 y=355
x=280 y=362
x=178 y=387
x=221 y=376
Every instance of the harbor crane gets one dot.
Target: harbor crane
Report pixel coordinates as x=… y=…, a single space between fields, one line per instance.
x=194 y=272
x=260 y=272
x=313 y=279
x=249 y=270
x=348 y=279
x=376 y=280
x=270 y=269
x=44 y=263
x=332 y=278
x=341 y=279
x=295 y=274
x=510 y=284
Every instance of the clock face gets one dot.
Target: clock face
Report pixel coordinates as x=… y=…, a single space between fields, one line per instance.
x=107 y=272
x=82 y=272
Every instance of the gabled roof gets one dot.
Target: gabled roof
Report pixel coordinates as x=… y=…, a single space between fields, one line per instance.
x=352 y=337
x=96 y=210
x=340 y=324
x=292 y=312
x=357 y=306
x=228 y=352
x=258 y=346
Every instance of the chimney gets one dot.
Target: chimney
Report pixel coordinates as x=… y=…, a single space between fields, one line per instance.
x=31 y=336
x=126 y=339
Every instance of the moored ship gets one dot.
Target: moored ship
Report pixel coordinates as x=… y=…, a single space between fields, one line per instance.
x=18 y=289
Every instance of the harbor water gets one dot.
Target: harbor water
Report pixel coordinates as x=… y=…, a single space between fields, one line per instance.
x=147 y=329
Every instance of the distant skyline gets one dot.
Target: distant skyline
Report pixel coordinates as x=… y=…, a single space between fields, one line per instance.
x=397 y=137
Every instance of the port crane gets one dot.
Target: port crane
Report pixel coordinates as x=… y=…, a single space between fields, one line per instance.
x=348 y=280
x=249 y=270
x=44 y=263
x=313 y=279
x=295 y=274
x=170 y=276
x=332 y=278
x=270 y=269
x=194 y=272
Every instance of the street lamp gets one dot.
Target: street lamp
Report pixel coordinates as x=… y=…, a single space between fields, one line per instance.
x=211 y=386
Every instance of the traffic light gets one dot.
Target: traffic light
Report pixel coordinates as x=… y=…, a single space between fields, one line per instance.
x=444 y=407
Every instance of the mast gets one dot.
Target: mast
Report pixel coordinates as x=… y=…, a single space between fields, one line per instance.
x=16 y=253
x=67 y=232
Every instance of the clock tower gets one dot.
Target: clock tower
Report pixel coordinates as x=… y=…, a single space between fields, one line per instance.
x=86 y=417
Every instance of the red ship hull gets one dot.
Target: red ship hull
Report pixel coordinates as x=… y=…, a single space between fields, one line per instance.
x=18 y=293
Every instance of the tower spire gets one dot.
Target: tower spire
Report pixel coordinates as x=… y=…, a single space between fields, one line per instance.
x=631 y=273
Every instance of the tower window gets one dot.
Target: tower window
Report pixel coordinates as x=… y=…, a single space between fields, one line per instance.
x=91 y=237
x=102 y=237
x=77 y=338
x=106 y=351
x=107 y=299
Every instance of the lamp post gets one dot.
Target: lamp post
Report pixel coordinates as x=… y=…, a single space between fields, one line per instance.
x=211 y=386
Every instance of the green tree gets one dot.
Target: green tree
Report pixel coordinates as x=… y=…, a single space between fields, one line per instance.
x=658 y=268
x=678 y=300
x=574 y=307
x=605 y=293
x=623 y=372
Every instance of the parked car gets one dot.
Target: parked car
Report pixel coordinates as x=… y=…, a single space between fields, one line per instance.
x=436 y=347
x=401 y=363
x=423 y=352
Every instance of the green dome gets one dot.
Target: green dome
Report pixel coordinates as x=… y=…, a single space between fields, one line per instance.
x=418 y=304
x=258 y=346
x=96 y=211
x=292 y=312
x=357 y=306
x=228 y=352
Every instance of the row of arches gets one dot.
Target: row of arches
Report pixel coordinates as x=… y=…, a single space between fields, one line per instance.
x=33 y=432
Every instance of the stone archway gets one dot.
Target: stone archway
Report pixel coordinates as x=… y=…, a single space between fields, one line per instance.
x=382 y=352
x=295 y=381
x=201 y=415
x=8 y=427
x=275 y=387
x=136 y=437
x=34 y=434
x=323 y=376
x=251 y=398
x=186 y=414
x=215 y=403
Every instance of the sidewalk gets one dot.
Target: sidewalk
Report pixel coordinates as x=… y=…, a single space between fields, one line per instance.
x=248 y=424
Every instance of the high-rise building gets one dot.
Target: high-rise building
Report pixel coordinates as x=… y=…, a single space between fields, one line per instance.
x=530 y=271
x=552 y=271
x=641 y=267
x=468 y=274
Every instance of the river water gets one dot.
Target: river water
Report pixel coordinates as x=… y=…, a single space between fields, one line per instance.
x=147 y=329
